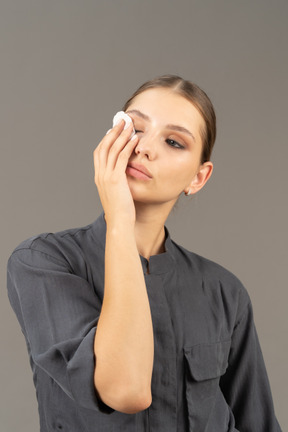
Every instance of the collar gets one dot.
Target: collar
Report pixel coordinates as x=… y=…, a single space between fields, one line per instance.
x=158 y=264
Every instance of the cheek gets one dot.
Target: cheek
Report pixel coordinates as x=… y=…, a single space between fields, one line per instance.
x=179 y=171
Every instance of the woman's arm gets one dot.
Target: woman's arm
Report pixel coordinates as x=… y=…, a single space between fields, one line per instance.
x=124 y=338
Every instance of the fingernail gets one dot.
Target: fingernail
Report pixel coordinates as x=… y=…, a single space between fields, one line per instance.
x=108 y=131
x=134 y=137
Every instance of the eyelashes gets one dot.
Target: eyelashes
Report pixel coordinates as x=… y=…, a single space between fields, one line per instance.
x=172 y=143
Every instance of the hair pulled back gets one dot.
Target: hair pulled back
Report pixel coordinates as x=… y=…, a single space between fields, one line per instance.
x=196 y=96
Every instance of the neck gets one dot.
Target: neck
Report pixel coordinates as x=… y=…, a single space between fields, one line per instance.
x=149 y=228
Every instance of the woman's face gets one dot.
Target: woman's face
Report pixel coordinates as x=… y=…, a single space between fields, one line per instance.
x=169 y=147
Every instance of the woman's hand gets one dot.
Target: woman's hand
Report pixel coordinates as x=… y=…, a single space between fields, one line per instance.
x=110 y=162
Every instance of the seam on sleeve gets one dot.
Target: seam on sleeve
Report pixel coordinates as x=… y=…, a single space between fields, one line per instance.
x=73 y=234
x=245 y=313
x=43 y=253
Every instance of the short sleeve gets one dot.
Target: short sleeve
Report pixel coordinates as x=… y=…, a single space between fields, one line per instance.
x=245 y=384
x=58 y=313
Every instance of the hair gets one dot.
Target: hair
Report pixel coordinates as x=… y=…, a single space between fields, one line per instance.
x=196 y=96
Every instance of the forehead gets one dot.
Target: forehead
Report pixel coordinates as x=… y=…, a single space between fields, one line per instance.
x=166 y=106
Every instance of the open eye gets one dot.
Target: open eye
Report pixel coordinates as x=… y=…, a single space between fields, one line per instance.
x=174 y=144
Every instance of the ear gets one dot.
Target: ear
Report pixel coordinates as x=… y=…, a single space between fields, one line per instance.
x=200 y=179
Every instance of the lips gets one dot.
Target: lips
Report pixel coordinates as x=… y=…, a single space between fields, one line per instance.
x=138 y=170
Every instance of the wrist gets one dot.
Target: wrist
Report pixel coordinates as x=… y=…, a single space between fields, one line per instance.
x=114 y=221
x=120 y=226
x=121 y=237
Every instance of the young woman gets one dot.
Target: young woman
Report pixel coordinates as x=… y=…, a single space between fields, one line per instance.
x=126 y=330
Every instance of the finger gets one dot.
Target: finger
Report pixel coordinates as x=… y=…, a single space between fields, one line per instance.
x=118 y=147
x=117 y=127
x=124 y=155
x=116 y=137
x=110 y=137
x=102 y=150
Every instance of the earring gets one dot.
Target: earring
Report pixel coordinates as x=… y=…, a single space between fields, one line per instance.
x=188 y=193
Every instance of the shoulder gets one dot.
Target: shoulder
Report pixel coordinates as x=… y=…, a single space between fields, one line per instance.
x=216 y=280
x=63 y=248
x=204 y=266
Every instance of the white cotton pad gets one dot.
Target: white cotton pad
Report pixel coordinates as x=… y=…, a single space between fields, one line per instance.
x=122 y=115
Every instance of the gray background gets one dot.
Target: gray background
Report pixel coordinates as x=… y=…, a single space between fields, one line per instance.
x=67 y=66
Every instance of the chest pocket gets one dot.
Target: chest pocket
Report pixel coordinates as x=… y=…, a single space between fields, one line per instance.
x=205 y=363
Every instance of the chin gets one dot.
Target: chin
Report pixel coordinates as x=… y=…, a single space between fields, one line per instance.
x=141 y=193
x=143 y=197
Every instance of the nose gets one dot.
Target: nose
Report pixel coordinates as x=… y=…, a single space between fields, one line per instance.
x=147 y=145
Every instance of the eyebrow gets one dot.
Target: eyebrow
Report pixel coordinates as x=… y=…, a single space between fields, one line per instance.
x=169 y=126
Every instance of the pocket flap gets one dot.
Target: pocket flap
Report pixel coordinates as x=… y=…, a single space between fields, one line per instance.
x=207 y=361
